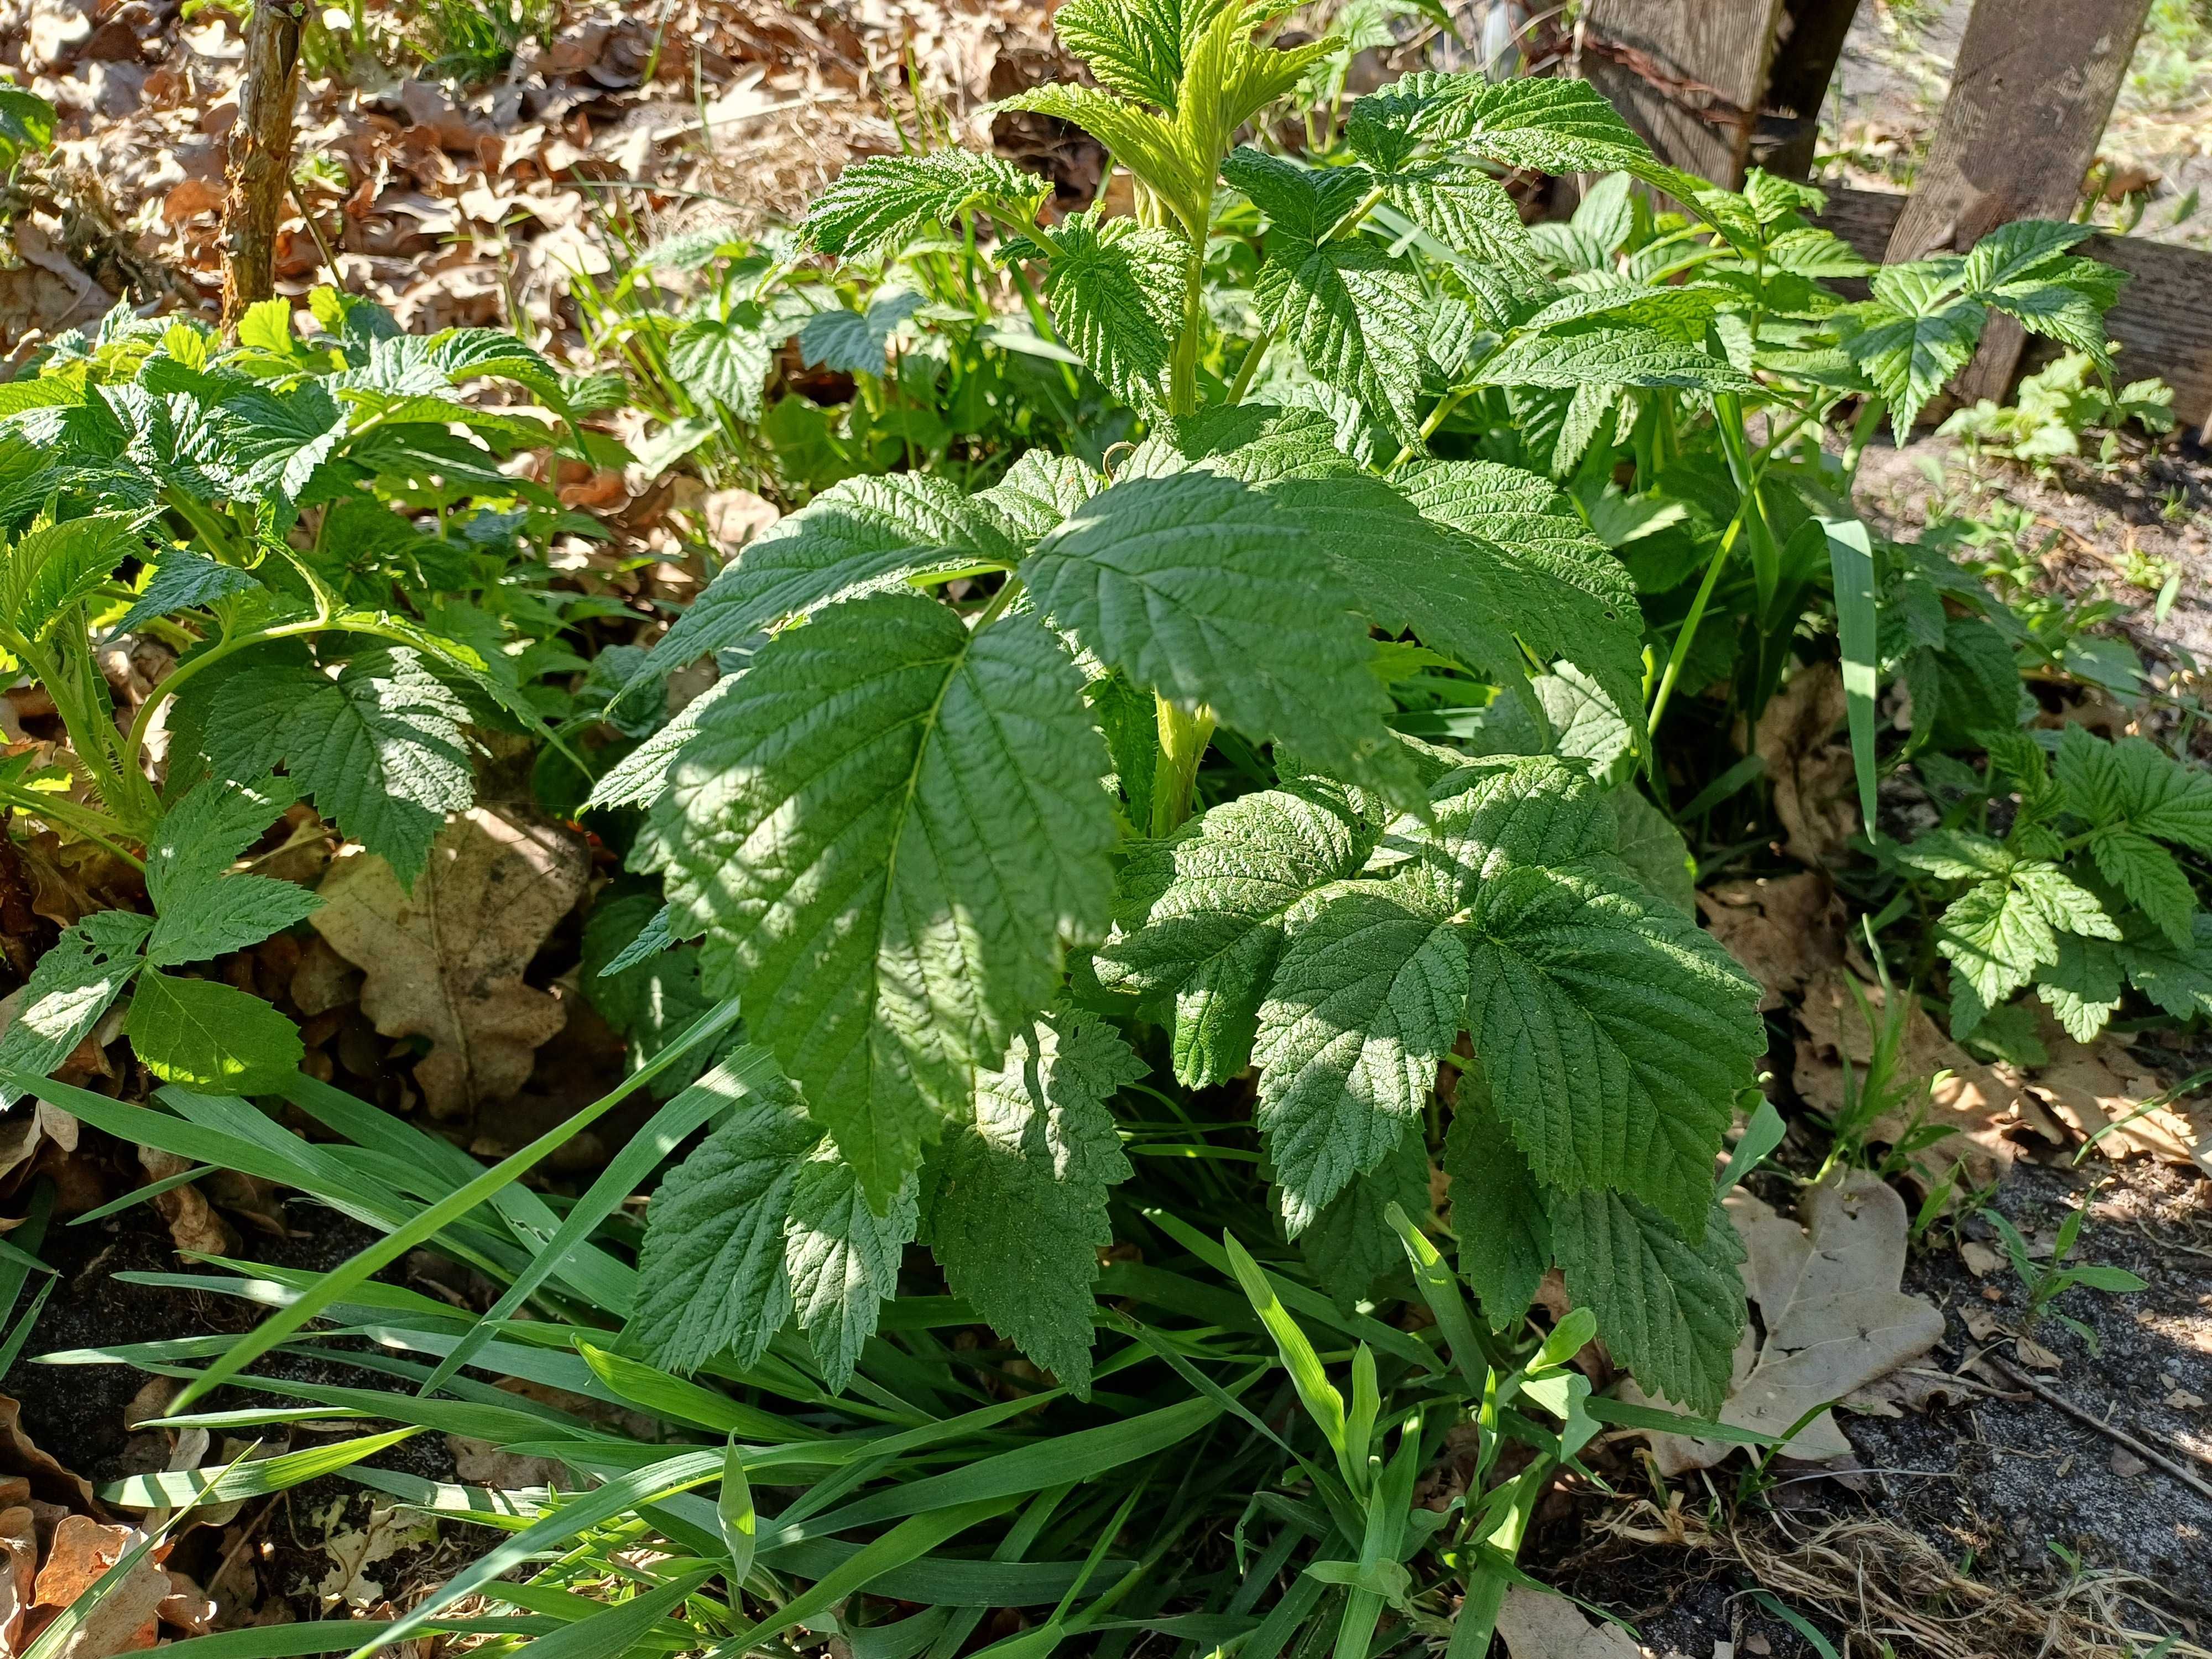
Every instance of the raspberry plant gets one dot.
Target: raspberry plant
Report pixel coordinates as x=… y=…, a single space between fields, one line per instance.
x=944 y=852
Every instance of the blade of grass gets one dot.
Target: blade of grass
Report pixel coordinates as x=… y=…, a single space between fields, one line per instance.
x=426 y=1225
x=908 y=1541
x=737 y=1076
x=1851 y=563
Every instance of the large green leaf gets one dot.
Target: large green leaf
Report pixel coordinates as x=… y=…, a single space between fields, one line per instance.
x=1199 y=588
x=1356 y=316
x=1497 y=1208
x=1136 y=47
x=1200 y=917
x=1596 y=355
x=69 y=988
x=379 y=749
x=857 y=537
x=726 y=360
x=1117 y=291
x=882 y=202
x=1671 y=1311
x=889 y=830
x=1366 y=1002
x=1351 y=1244
x=842 y=1258
x=1019 y=1213
x=200 y=910
x=45 y=575
x=2135 y=785
x=1616 y=1033
x=711 y=1275
x=210 y=1037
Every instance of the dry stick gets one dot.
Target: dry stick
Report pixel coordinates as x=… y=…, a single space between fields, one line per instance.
x=2148 y=1453
x=260 y=155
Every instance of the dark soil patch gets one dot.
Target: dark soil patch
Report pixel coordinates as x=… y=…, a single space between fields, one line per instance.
x=2004 y=1486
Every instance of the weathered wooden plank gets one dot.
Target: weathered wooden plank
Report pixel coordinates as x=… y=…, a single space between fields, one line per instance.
x=2030 y=93
x=1689 y=74
x=2163 y=320
x=1808 y=41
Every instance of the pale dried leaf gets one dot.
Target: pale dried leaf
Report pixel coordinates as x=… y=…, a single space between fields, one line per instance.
x=1539 y=1626
x=446 y=962
x=1835 y=1320
x=1809 y=764
x=126 y=1620
x=2093 y=1086
x=1784 y=929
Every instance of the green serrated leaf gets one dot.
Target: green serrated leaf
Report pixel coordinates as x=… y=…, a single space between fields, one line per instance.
x=1670 y=1312
x=882 y=202
x=1199 y=588
x=1200 y=918
x=51 y=571
x=69 y=988
x=182 y=581
x=1613 y=1031
x=2082 y=987
x=1116 y=292
x=1019 y=1213
x=1355 y=315
x=1351 y=1244
x=1601 y=356
x=379 y=749
x=842 y=1259
x=2134 y=784
x=711 y=1276
x=888 y=830
x=1498 y=1209
x=1996 y=936
x=2178 y=980
x=1367 y=1000
x=861 y=536
x=855 y=342
x=725 y=361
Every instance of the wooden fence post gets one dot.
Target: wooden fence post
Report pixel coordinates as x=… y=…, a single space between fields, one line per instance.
x=1808 y=46
x=1689 y=74
x=2030 y=95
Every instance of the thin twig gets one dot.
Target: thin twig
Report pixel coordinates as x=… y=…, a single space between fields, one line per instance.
x=2149 y=1453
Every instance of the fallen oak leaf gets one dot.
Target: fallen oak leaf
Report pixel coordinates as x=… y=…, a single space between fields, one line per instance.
x=126 y=1620
x=1539 y=1626
x=1835 y=1319
x=447 y=960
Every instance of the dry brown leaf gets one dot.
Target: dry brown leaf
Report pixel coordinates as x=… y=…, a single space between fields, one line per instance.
x=194 y=1227
x=734 y=517
x=21 y=1456
x=1539 y=1626
x=1833 y=1317
x=1981 y=1104
x=2092 y=1086
x=19 y=1572
x=1809 y=764
x=126 y=1620
x=446 y=962
x=1784 y=929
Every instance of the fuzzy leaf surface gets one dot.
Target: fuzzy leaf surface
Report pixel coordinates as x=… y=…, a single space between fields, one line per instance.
x=1200 y=917
x=1671 y=1311
x=1020 y=1211
x=888 y=830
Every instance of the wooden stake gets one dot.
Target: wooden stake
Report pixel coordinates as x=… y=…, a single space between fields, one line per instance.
x=2030 y=93
x=261 y=154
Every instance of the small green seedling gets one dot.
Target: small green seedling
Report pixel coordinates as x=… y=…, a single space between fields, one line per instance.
x=2045 y=1285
